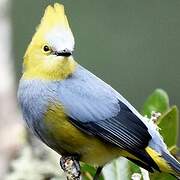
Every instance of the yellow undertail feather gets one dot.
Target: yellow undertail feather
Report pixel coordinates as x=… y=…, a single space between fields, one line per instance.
x=162 y=163
x=165 y=161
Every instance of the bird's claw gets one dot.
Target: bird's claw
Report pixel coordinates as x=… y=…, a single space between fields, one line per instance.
x=71 y=167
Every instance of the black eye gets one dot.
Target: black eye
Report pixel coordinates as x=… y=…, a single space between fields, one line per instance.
x=46 y=48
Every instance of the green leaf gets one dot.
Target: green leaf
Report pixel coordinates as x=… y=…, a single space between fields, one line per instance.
x=133 y=168
x=175 y=151
x=88 y=172
x=117 y=170
x=168 y=123
x=158 y=101
x=120 y=169
x=161 y=176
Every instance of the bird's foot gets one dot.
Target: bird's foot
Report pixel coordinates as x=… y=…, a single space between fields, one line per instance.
x=71 y=167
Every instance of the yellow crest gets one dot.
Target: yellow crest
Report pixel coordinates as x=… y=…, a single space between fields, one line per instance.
x=53 y=16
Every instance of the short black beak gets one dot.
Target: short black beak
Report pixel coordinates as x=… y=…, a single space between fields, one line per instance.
x=65 y=53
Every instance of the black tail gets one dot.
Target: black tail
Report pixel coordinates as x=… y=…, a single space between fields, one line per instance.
x=174 y=164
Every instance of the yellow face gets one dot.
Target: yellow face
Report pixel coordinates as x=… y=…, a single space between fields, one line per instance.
x=49 y=54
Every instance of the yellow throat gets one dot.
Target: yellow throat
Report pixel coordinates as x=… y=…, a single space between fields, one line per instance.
x=53 y=32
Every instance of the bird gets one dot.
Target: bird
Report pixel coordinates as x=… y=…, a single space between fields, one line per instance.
x=76 y=113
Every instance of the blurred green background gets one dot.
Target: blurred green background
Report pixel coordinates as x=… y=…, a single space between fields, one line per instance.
x=132 y=45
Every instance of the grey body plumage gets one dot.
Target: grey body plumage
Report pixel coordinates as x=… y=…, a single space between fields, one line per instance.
x=84 y=97
x=94 y=107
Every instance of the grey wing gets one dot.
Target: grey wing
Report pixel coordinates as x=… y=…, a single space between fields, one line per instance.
x=95 y=108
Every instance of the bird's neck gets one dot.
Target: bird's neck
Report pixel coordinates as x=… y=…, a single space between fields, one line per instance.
x=59 y=70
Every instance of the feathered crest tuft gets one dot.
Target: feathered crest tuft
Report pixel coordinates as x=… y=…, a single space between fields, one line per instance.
x=54 y=16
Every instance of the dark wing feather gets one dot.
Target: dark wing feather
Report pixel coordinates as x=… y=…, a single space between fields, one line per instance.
x=97 y=109
x=125 y=130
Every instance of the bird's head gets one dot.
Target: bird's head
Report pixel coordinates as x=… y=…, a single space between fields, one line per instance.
x=49 y=55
